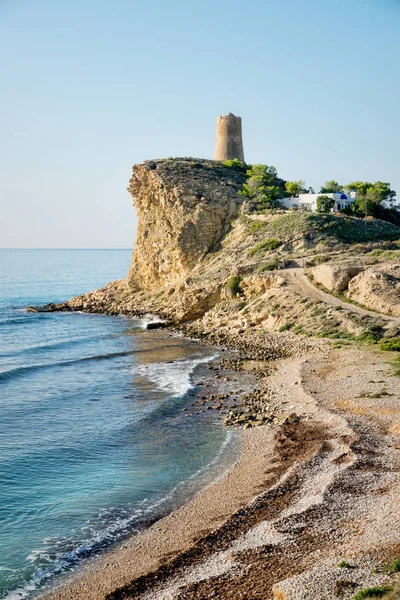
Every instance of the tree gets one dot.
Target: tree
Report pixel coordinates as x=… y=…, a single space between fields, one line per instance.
x=325 y=204
x=370 y=196
x=263 y=186
x=295 y=188
x=331 y=187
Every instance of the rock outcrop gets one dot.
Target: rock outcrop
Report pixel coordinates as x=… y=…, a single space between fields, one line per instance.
x=378 y=288
x=335 y=277
x=185 y=208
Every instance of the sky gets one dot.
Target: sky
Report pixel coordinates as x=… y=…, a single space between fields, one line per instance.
x=90 y=87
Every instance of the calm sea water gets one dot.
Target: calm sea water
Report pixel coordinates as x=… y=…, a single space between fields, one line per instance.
x=93 y=440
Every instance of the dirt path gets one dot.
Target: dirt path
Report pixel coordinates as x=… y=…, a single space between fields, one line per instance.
x=301 y=283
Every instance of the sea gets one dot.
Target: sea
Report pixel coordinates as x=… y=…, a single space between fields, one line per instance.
x=94 y=442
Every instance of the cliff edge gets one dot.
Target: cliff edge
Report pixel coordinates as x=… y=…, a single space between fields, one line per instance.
x=185 y=208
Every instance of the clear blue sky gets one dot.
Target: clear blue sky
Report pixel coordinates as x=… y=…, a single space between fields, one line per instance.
x=89 y=88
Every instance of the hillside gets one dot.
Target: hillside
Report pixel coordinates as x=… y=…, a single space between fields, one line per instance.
x=205 y=260
x=348 y=230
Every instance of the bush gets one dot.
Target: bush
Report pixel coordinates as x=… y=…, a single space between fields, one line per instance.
x=390 y=345
x=344 y=565
x=233 y=285
x=255 y=226
x=395 y=566
x=375 y=592
x=236 y=164
x=272 y=265
x=371 y=336
x=318 y=260
x=266 y=245
x=285 y=327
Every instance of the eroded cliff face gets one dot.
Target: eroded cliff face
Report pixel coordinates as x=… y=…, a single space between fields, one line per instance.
x=185 y=208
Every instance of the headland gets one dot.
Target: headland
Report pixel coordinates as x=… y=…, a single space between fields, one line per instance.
x=310 y=303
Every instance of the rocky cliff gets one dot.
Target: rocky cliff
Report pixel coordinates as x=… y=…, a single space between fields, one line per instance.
x=203 y=260
x=185 y=208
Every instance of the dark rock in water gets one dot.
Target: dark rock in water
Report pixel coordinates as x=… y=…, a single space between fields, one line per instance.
x=49 y=308
x=156 y=325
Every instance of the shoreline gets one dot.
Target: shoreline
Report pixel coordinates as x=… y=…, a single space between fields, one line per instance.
x=177 y=531
x=208 y=511
x=268 y=529
x=213 y=377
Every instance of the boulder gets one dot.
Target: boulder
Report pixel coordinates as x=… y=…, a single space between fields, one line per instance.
x=335 y=277
x=378 y=288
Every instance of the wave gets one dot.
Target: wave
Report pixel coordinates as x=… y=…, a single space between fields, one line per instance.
x=111 y=526
x=148 y=319
x=57 y=345
x=9 y=374
x=29 y=318
x=172 y=377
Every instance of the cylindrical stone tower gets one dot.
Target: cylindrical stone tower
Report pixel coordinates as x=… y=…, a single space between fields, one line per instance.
x=229 y=143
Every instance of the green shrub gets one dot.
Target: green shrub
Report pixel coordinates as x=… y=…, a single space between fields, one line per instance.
x=233 y=284
x=285 y=327
x=395 y=566
x=267 y=245
x=391 y=345
x=371 y=336
x=272 y=265
x=375 y=592
x=236 y=164
x=325 y=204
x=318 y=260
x=344 y=565
x=255 y=226
x=298 y=329
x=380 y=253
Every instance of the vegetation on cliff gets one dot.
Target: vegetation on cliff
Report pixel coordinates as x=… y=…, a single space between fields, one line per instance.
x=264 y=189
x=349 y=230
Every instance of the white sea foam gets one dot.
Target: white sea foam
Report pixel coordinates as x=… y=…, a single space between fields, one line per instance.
x=172 y=377
x=149 y=318
x=118 y=529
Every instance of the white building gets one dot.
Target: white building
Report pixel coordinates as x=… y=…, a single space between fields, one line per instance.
x=308 y=202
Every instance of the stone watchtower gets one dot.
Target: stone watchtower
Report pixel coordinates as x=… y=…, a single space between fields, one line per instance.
x=229 y=142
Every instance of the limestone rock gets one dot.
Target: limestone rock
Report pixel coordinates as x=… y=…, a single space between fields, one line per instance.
x=185 y=207
x=378 y=288
x=335 y=277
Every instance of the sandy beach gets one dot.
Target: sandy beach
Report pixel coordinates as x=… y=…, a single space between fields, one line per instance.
x=319 y=487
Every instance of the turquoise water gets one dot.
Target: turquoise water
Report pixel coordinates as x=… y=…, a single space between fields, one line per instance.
x=93 y=441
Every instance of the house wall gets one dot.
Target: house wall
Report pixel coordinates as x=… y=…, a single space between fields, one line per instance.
x=309 y=201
